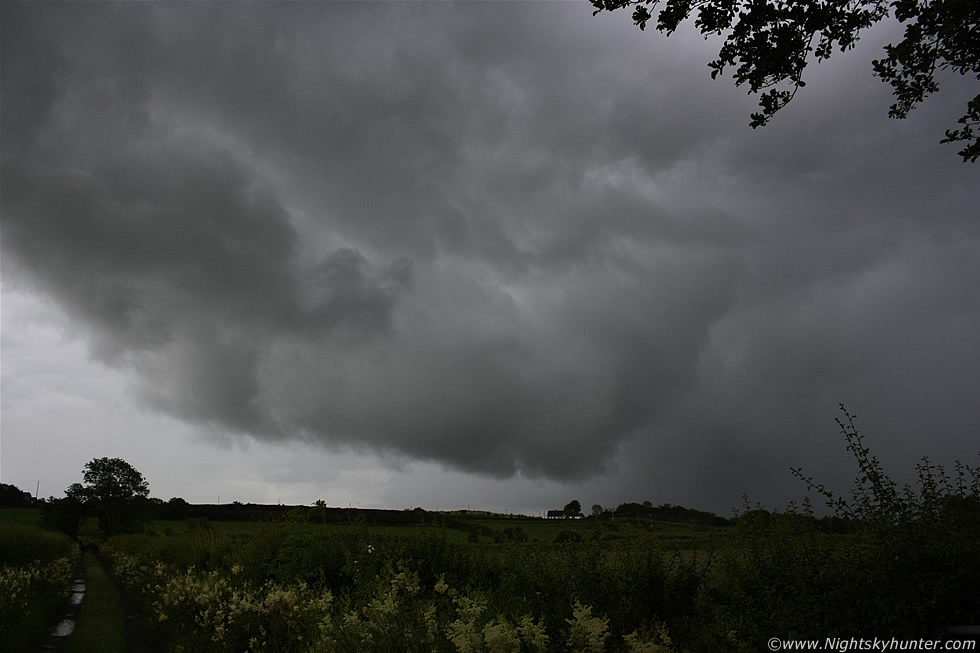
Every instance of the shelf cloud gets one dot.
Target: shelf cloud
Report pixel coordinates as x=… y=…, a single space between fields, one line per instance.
x=508 y=238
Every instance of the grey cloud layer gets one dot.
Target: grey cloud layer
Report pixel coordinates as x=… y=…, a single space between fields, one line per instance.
x=505 y=237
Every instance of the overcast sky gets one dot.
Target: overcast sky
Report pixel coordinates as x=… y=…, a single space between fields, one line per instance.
x=498 y=255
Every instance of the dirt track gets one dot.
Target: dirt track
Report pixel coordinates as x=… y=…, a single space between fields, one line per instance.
x=138 y=639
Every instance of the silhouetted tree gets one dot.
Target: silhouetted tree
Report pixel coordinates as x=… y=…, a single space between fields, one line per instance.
x=596 y=510
x=61 y=515
x=320 y=508
x=573 y=507
x=11 y=495
x=113 y=491
x=176 y=509
x=770 y=43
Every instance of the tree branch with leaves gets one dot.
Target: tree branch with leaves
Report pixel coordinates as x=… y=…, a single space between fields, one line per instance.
x=769 y=43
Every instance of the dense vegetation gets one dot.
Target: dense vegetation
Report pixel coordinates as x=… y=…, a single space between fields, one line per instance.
x=888 y=563
x=361 y=588
x=36 y=569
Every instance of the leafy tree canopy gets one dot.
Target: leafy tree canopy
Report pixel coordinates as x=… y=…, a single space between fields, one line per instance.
x=770 y=42
x=115 y=492
x=573 y=507
x=109 y=480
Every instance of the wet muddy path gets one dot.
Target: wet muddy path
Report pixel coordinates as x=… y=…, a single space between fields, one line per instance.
x=67 y=615
x=138 y=639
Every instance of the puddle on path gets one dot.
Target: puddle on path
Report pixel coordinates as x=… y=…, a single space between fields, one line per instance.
x=64 y=628
x=66 y=620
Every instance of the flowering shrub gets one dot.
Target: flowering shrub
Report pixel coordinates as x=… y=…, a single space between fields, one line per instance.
x=29 y=594
x=394 y=615
x=209 y=610
x=587 y=633
x=18 y=584
x=656 y=642
x=472 y=633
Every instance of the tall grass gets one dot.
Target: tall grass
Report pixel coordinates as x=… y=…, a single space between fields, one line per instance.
x=21 y=544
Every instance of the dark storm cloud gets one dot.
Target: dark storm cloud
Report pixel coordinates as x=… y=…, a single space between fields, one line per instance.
x=505 y=237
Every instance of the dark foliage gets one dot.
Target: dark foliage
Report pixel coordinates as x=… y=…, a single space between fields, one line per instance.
x=907 y=568
x=669 y=513
x=573 y=508
x=115 y=492
x=889 y=562
x=770 y=42
x=12 y=496
x=566 y=537
x=62 y=515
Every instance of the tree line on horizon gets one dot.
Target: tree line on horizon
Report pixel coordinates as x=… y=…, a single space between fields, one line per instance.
x=118 y=512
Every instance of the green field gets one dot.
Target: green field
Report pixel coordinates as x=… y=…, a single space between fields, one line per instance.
x=26 y=516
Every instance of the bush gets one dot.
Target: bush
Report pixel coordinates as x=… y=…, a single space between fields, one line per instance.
x=22 y=545
x=62 y=515
x=36 y=569
x=907 y=569
x=568 y=536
